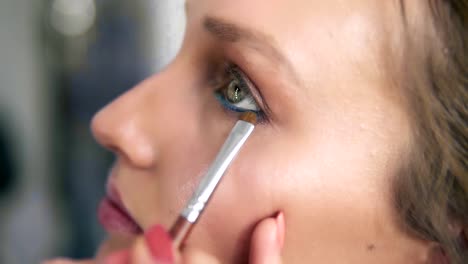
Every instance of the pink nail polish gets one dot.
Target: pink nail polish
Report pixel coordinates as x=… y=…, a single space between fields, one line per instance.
x=160 y=244
x=280 y=229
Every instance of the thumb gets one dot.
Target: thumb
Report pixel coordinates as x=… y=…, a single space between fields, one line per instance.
x=267 y=241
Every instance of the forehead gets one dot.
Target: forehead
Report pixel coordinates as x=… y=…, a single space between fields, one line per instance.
x=305 y=31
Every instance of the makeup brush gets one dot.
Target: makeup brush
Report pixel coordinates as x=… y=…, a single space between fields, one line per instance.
x=191 y=213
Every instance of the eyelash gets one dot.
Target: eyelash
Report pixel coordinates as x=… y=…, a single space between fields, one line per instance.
x=234 y=73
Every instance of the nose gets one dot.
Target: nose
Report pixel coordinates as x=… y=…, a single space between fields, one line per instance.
x=160 y=118
x=121 y=127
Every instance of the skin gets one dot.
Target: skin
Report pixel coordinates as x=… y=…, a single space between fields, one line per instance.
x=336 y=136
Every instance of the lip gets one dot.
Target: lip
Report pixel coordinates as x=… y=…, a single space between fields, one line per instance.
x=113 y=215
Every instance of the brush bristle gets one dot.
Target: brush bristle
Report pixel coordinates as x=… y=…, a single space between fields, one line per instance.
x=250 y=117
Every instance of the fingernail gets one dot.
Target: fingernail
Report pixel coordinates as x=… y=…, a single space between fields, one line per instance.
x=119 y=257
x=280 y=229
x=160 y=244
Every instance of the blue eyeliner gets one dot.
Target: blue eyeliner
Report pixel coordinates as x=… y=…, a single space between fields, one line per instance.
x=231 y=107
x=235 y=74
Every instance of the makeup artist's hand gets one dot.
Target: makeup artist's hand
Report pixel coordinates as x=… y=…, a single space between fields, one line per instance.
x=155 y=247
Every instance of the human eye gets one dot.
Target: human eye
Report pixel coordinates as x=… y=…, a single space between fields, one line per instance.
x=236 y=93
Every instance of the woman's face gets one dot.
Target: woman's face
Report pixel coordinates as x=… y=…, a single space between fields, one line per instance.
x=333 y=134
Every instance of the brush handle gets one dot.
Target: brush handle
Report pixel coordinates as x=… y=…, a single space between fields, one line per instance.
x=189 y=216
x=209 y=182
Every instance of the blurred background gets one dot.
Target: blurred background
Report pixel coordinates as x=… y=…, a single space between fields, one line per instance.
x=60 y=61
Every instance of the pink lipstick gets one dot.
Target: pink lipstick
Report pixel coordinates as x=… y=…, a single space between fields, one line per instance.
x=113 y=215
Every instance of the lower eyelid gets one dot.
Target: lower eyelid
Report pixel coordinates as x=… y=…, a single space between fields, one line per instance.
x=229 y=106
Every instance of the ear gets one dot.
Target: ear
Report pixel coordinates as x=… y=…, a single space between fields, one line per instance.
x=464 y=238
x=460 y=232
x=437 y=255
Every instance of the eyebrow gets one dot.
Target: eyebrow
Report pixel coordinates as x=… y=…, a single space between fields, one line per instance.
x=260 y=42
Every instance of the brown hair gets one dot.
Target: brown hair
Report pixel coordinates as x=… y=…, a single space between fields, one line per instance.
x=432 y=190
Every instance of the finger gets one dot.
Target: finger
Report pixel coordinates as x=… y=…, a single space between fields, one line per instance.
x=119 y=257
x=114 y=243
x=191 y=255
x=267 y=241
x=140 y=253
x=68 y=261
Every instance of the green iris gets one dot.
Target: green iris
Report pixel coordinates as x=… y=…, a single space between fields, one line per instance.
x=234 y=93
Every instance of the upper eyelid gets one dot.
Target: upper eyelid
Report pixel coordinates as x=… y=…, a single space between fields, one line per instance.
x=235 y=72
x=252 y=87
x=232 y=72
x=229 y=71
x=246 y=82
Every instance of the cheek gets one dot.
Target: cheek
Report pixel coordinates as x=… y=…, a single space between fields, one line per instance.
x=251 y=190
x=185 y=143
x=157 y=196
x=317 y=181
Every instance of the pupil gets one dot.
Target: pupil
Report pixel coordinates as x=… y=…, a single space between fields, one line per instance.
x=234 y=92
